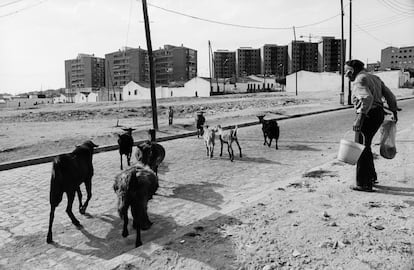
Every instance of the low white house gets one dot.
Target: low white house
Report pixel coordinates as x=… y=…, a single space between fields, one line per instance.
x=138 y=91
x=83 y=97
x=60 y=99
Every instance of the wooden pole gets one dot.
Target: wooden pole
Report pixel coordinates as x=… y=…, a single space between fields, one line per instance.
x=350 y=48
x=341 y=98
x=151 y=66
x=296 y=70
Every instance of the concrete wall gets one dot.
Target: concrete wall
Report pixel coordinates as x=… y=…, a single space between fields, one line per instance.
x=314 y=82
x=394 y=78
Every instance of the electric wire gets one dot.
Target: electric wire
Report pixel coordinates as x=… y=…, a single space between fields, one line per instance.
x=10 y=3
x=22 y=9
x=239 y=25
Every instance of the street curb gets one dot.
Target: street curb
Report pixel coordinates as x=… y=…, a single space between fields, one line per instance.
x=45 y=159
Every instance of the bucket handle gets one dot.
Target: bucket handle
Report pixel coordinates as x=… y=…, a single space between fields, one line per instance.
x=356 y=139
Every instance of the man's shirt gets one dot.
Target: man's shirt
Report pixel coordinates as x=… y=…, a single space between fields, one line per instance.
x=368 y=91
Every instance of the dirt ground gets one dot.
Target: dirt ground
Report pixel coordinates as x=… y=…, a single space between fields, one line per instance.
x=311 y=222
x=51 y=129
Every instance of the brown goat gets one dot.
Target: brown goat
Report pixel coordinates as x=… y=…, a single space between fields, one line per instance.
x=228 y=137
x=151 y=154
x=134 y=187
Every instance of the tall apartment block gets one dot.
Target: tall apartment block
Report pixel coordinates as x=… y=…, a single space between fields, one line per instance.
x=397 y=58
x=330 y=54
x=224 y=64
x=302 y=56
x=125 y=65
x=248 y=61
x=173 y=64
x=86 y=71
x=275 y=60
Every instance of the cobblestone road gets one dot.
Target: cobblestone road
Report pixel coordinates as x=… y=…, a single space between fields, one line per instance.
x=192 y=187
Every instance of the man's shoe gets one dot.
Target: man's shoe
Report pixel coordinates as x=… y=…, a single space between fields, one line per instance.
x=360 y=188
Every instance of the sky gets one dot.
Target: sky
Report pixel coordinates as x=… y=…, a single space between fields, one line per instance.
x=37 y=36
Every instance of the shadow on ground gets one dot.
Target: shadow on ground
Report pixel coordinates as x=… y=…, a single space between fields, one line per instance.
x=202 y=193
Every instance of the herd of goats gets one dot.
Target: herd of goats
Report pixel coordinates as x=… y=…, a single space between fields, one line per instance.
x=136 y=185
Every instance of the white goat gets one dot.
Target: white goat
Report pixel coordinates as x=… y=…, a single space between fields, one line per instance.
x=209 y=136
x=228 y=137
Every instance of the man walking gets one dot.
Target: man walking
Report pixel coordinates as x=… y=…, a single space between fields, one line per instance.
x=368 y=92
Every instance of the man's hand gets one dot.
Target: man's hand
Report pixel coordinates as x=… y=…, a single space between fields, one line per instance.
x=395 y=116
x=359 y=120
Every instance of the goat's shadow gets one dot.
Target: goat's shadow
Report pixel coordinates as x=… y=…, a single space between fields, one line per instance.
x=256 y=160
x=299 y=147
x=402 y=191
x=202 y=193
x=113 y=244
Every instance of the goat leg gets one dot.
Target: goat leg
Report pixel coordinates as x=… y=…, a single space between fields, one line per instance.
x=129 y=159
x=221 y=148
x=238 y=145
x=121 y=160
x=88 y=185
x=276 y=144
x=270 y=142
x=230 y=150
x=49 y=238
x=125 y=227
x=265 y=140
x=71 y=197
x=79 y=192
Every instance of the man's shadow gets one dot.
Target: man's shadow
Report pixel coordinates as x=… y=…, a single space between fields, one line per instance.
x=402 y=191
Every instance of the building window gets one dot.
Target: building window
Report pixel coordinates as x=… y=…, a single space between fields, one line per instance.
x=135 y=92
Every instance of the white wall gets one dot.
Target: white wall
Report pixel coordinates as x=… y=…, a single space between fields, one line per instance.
x=393 y=78
x=314 y=82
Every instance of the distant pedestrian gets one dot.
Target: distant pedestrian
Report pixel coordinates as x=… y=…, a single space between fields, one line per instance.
x=200 y=120
x=367 y=93
x=170 y=116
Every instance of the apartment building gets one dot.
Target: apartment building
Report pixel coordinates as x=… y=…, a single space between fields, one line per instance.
x=125 y=65
x=329 y=59
x=174 y=64
x=248 y=61
x=224 y=64
x=302 y=56
x=85 y=71
x=397 y=58
x=275 y=60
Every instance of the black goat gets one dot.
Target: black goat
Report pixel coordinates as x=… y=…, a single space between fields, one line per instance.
x=270 y=130
x=134 y=188
x=125 y=142
x=69 y=171
x=151 y=154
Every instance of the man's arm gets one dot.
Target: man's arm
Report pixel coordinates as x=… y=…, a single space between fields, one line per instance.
x=391 y=100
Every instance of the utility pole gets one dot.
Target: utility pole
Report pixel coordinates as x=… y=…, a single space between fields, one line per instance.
x=151 y=67
x=209 y=65
x=350 y=48
x=341 y=96
x=296 y=71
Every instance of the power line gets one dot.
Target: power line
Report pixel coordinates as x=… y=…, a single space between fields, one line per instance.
x=395 y=8
x=239 y=25
x=10 y=3
x=22 y=9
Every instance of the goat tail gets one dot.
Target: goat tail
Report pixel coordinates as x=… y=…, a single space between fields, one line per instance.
x=236 y=128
